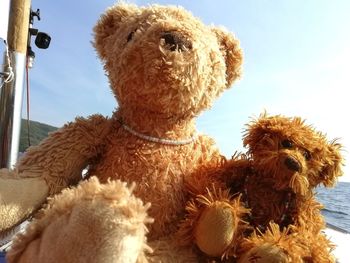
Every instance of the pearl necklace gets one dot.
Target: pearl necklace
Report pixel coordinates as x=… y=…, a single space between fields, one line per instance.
x=155 y=139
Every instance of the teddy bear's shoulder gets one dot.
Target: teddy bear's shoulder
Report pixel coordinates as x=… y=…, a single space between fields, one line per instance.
x=95 y=126
x=208 y=146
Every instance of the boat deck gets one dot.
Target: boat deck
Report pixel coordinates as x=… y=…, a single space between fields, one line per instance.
x=342 y=239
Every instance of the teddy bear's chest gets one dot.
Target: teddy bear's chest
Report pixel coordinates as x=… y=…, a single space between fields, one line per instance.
x=268 y=204
x=158 y=171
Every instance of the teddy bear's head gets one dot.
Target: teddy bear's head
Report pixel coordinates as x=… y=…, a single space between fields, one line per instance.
x=292 y=155
x=162 y=60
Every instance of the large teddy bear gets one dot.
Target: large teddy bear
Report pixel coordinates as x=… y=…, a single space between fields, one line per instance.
x=271 y=205
x=165 y=67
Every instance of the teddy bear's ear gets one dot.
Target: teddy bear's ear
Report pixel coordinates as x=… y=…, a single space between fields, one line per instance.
x=332 y=164
x=232 y=52
x=109 y=23
x=256 y=130
x=252 y=136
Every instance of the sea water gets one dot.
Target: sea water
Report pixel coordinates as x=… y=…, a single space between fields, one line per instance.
x=336 y=203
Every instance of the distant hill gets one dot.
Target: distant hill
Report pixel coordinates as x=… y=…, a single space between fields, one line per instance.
x=38 y=131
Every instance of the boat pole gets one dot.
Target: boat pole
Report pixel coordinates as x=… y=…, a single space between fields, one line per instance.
x=12 y=92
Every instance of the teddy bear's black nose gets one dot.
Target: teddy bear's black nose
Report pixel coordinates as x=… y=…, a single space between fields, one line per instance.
x=176 y=41
x=292 y=164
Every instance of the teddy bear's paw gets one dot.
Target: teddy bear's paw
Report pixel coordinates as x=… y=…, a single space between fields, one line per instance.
x=215 y=229
x=93 y=222
x=274 y=245
x=266 y=253
x=215 y=222
x=19 y=197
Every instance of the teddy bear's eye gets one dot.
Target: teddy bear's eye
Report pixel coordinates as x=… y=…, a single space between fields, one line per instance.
x=130 y=36
x=307 y=155
x=287 y=144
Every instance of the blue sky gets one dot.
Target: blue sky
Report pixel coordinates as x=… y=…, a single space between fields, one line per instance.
x=297 y=56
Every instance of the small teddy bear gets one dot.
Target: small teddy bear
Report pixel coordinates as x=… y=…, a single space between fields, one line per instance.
x=271 y=199
x=165 y=67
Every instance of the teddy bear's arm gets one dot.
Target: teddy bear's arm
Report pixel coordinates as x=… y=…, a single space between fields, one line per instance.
x=61 y=157
x=215 y=216
x=49 y=167
x=92 y=222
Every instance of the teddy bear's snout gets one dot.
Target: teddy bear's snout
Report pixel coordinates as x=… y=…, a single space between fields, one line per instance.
x=292 y=164
x=176 y=41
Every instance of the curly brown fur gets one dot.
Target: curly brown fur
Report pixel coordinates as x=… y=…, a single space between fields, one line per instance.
x=215 y=219
x=286 y=160
x=271 y=201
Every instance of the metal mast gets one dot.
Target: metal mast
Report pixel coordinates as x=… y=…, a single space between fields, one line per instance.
x=12 y=92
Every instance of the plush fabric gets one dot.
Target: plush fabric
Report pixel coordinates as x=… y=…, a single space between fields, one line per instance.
x=66 y=232
x=20 y=196
x=269 y=194
x=165 y=67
